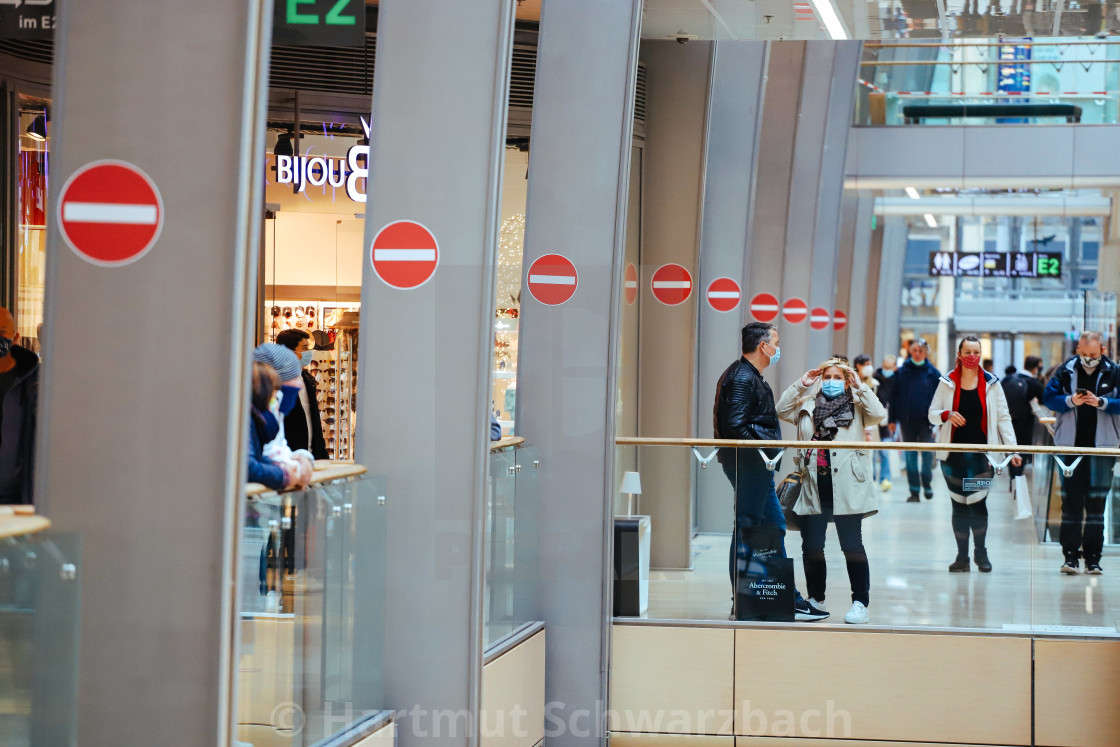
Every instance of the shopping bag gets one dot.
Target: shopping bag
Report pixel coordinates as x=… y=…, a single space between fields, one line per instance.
x=764 y=589
x=1023 y=508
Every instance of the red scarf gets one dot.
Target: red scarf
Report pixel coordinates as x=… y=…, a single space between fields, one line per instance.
x=981 y=385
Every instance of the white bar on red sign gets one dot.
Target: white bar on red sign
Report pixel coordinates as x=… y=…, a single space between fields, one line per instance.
x=109 y=212
x=726 y=294
x=552 y=279
x=404 y=255
x=672 y=284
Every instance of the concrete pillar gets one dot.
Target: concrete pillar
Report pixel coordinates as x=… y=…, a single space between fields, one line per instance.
x=672 y=197
x=735 y=111
x=800 y=177
x=144 y=407
x=425 y=353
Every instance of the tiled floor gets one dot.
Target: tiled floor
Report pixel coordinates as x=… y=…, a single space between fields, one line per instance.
x=910 y=547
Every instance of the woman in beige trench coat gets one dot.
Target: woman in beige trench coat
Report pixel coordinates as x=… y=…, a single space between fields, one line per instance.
x=830 y=403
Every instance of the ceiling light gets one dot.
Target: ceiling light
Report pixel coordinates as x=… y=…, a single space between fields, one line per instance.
x=37 y=130
x=913 y=193
x=930 y=220
x=826 y=11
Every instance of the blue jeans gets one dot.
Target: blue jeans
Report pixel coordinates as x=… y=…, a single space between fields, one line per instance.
x=884 y=465
x=919 y=434
x=756 y=502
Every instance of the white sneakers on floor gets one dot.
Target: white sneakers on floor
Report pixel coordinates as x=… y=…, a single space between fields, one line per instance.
x=818 y=605
x=857 y=615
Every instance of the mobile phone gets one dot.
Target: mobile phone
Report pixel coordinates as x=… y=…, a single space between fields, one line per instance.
x=1082 y=392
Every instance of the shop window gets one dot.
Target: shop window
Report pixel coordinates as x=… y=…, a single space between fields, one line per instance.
x=507 y=288
x=31 y=175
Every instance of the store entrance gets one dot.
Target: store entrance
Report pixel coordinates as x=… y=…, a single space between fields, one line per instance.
x=311 y=272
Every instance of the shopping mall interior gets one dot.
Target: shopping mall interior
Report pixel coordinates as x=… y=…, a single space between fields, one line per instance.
x=475 y=406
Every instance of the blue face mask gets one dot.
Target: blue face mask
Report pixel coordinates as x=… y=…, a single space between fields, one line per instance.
x=305 y=358
x=832 y=388
x=777 y=354
x=887 y=373
x=290 y=397
x=922 y=362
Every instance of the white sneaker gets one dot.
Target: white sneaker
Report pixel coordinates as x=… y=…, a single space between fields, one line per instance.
x=886 y=486
x=818 y=605
x=857 y=615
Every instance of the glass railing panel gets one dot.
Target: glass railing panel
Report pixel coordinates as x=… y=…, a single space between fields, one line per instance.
x=501 y=537
x=525 y=551
x=989 y=81
x=957 y=539
x=511 y=541
x=312 y=577
x=39 y=590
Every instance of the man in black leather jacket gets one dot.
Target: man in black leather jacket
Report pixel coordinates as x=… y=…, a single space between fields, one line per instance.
x=744 y=409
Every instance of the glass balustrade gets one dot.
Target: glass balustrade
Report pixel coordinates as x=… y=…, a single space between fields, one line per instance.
x=977 y=548
x=312 y=586
x=989 y=81
x=511 y=531
x=39 y=590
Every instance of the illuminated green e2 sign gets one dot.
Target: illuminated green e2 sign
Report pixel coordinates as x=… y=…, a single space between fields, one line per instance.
x=322 y=23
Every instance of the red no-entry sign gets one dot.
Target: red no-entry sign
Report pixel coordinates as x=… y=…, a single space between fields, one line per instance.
x=764 y=307
x=723 y=294
x=630 y=284
x=795 y=310
x=819 y=318
x=110 y=212
x=839 y=319
x=672 y=284
x=553 y=279
x=404 y=254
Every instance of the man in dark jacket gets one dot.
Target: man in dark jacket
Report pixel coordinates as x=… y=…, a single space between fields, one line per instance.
x=744 y=410
x=1084 y=393
x=914 y=386
x=303 y=428
x=19 y=396
x=1021 y=388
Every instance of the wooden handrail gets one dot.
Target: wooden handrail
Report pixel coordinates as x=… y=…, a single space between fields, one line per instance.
x=506 y=443
x=325 y=471
x=18 y=526
x=885 y=445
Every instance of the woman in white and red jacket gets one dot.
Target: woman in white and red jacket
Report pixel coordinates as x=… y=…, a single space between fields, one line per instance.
x=971 y=408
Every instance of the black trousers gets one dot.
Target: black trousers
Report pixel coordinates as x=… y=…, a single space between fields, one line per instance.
x=1083 y=499
x=849 y=528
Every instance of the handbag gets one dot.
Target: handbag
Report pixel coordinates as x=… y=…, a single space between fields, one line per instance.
x=789 y=490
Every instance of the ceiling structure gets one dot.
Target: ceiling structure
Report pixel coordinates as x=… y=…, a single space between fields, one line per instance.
x=876 y=20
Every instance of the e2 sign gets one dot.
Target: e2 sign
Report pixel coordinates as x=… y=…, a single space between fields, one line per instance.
x=319 y=23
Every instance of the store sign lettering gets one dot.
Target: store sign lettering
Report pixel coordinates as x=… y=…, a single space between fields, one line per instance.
x=319 y=171
x=27 y=19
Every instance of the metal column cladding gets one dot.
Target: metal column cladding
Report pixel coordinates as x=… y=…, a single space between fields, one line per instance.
x=143 y=403
x=578 y=186
x=437 y=142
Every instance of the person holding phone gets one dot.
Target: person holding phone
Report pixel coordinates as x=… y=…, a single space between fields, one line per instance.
x=1083 y=394
x=971 y=408
x=830 y=403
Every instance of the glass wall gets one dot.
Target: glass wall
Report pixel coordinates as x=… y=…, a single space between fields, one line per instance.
x=921 y=520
